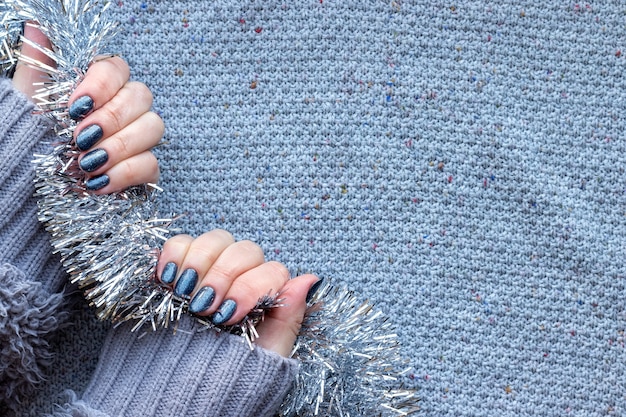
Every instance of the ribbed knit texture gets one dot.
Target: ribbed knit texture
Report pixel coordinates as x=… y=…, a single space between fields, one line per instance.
x=23 y=242
x=194 y=373
x=461 y=164
x=30 y=277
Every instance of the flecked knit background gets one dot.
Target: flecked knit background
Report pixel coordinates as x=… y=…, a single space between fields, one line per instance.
x=459 y=163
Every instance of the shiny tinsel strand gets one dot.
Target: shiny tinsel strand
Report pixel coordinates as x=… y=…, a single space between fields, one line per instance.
x=10 y=32
x=351 y=365
x=350 y=361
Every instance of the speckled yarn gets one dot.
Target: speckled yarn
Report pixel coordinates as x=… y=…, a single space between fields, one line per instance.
x=461 y=164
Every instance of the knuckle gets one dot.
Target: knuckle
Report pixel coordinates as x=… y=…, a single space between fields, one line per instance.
x=158 y=123
x=112 y=117
x=177 y=244
x=155 y=124
x=99 y=85
x=153 y=167
x=250 y=249
x=116 y=65
x=127 y=171
x=223 y=271
x=222 y=235
x=278 y=270
x=120 y=145
x=245 y=288
x=141 y=92
x=202 y=253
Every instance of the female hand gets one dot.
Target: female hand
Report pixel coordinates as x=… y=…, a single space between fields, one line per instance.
x=116 y=129
x=224 y=280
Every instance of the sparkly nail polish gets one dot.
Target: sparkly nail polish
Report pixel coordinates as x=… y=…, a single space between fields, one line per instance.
x=202 y=300
x=169 y=273
x=80 y=107
x=97 y=183
x=225 y=312
x=88 y=137
x=94 y=160
x=186 y=282
x=314 y=289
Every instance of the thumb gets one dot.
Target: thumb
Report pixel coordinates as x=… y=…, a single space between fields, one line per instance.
x=25 y=76
x=280 y=327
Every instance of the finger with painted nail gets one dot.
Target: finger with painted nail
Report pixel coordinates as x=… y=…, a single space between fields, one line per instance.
x=246 y=290
x=116 y=128
x=125 y=157
x=235 y=261
x=102 y=82
x=185 y=260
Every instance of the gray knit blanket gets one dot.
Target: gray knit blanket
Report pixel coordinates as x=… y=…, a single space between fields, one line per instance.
x=460 y=164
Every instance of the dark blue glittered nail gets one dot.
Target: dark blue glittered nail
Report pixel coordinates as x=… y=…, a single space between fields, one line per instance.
x=169 y=273
x=98 y=182
x=314 y=289
x=186 y=283
x=225 y=312
x=202 y=300
x=94 y=160
x=80 y=107
x=88 y=137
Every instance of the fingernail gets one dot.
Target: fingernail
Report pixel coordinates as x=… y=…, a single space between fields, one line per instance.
x=80 y=107
x=225 y=312
x=313 y=289
x=88 y=137
x=98 y=182
x=202 y=300
x=169 y=273
x=94 y=160
x=186 y=283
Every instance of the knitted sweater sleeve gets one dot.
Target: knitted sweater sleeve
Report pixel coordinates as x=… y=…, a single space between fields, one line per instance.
x=193 y=372
x=23 y=242
x=30 y=276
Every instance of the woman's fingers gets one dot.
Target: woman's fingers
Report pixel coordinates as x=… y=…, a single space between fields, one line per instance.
x=223 y=279
x=245 y=291
x=280 y=327
x=114 y=115
x=104 y=78
x=172 y=255
x=131 y=101
x=237 y=259
x=185 y=261
x=117 y=129
x=136 y=170
x=141 y=135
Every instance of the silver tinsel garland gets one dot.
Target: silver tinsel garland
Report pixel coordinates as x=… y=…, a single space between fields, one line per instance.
x=350 y=361
x=109 y=245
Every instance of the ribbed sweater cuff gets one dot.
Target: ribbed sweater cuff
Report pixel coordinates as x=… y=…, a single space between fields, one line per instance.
x=20 y=133
x=191 y=373
x=23 y=242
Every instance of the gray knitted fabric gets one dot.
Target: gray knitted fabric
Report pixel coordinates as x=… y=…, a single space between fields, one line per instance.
x=29 y=316
x=22 y=241
x=194 y=372
x=460 y=164
x=30 y=308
